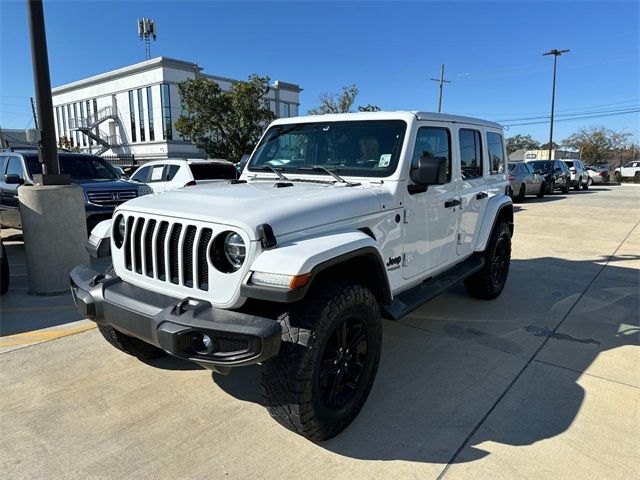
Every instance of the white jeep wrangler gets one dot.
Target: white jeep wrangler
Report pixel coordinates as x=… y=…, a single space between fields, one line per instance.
x=335 y=222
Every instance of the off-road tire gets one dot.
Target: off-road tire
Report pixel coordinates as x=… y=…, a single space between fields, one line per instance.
x=4 y=272
x=489 y=282
x=543 y=189
x=291 y=385
x=131 y=345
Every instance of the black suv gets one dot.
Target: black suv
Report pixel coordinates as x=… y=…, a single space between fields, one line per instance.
x=102 y=185
x=555 y=172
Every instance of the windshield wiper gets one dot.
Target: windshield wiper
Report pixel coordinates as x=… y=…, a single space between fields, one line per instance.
x=274 y=170
x=320 y=168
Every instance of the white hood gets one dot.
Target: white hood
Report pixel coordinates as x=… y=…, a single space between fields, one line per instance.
x=247 y=205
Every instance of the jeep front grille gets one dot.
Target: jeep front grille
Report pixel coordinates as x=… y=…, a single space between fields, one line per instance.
x=168 y=251
x=108 y=197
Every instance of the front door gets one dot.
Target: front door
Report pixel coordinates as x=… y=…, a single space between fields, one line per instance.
x=473 y=187
x=431 y=215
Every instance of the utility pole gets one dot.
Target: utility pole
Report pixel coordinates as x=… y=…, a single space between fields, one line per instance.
x=442 y=81
x=33 y=110
x=48 y=150
x=556 y=53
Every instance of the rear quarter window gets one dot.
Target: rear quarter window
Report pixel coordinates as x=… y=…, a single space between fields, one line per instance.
x=206 y=171
x=495 y=147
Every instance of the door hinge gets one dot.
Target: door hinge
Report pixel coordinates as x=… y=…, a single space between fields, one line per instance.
x=459 y=239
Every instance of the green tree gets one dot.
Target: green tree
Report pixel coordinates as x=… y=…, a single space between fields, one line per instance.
x=225 y=124
x=341 y=102
x=519 y=142
x=597 y=142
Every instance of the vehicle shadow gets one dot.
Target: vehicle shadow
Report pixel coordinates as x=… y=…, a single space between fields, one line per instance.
x=437 y=377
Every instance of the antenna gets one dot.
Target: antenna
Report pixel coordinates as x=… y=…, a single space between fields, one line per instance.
x=147 y=30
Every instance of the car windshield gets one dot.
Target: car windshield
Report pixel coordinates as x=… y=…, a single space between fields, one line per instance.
x=541 y=165
x=78 y=167
x=356 y=148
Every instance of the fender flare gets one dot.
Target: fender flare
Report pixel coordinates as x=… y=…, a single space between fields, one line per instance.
x=314 y=256
x=99 y=243
x=498 y=205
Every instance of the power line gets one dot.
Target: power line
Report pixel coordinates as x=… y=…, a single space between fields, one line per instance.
x=576 y=118
x=589 y=112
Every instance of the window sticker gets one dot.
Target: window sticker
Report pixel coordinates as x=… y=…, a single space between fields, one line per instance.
x=385 y=160
x=156 y=173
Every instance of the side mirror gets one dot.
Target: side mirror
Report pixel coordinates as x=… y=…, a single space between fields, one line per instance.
x=430 y=171
x=13 y=179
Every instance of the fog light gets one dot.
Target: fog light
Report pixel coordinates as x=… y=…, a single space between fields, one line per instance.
x=202 y=343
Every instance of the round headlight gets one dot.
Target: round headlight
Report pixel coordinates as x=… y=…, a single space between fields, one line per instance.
x=234 y=250
x=118 y=231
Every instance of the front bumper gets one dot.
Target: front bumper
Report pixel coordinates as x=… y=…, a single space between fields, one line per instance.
x=175 y=325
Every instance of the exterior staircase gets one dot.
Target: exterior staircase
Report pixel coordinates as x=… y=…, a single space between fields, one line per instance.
x=87 y=126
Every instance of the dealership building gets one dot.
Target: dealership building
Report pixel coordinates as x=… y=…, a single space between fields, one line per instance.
x=133 y=110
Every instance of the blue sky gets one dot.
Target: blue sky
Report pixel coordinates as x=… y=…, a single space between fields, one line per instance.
x=390 y=50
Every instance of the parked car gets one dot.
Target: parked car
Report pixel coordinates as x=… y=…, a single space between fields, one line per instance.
x=630 y=170
x=579 y=175
x=165 y=175
x=524 y=181
x=103 y=188
x=4 y=269
x=597 y=175
x=555 y=172
x=294 y=265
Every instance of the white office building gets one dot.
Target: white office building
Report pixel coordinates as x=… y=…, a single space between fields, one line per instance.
x=133 y=110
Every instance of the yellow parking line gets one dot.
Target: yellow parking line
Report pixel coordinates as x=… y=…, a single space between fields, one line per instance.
x=36 y=309
x=27 y=338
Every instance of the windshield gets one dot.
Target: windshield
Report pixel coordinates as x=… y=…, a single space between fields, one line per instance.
x=212 y=171
x=541 y=165
x=360 y=148
x=78 y=167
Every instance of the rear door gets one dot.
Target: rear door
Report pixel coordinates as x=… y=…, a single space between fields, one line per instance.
x=473 y=185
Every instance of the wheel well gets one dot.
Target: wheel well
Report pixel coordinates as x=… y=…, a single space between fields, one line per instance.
x=505 y=215
x=365 y=269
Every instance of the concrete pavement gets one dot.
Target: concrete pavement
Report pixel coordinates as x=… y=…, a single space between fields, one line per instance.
x=541 y=383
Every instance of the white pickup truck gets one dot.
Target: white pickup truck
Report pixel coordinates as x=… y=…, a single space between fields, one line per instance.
x=336 y=222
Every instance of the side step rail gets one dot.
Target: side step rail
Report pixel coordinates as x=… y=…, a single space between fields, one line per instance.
x=414 y=298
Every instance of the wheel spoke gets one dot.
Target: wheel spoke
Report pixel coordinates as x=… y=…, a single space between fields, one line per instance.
x=337 y=381
x=341 y=331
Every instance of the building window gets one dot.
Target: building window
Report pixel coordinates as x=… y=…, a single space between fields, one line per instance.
x=69 y=136
x=89 y=122
x=76 y=134
x=95 y=112
x=287 y=110
x=83 y=120
x=141 y=115
x=132 y=115
x=150 y=113
x=58 y=124
x=165 y=99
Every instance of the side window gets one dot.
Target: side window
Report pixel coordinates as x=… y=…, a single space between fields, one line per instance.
x=141 y=175
x=433 y=142
x=15 y=166
x=528 y=167
x=157 y=173
x=470 y=153
x=496 y=153
x=171 y=172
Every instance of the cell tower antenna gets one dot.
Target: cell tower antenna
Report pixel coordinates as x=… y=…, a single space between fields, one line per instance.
x=147 y=29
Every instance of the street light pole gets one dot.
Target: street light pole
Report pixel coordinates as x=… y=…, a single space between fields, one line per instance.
x=48 y=150
x=556 y=53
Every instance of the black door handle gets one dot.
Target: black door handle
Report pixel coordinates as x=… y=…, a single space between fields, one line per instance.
x=481 y=195
x=451 y=203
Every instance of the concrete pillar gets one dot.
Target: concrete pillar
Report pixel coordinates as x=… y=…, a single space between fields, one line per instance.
x=55 y=232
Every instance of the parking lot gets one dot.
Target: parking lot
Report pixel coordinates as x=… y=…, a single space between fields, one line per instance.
x=543 y=382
